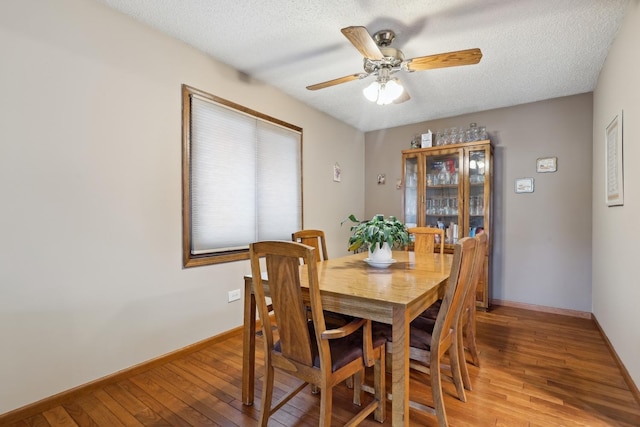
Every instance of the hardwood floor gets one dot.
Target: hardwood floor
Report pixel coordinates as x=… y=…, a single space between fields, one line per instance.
x=537 y=369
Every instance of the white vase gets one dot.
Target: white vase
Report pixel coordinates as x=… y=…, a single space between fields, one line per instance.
x=380 y=254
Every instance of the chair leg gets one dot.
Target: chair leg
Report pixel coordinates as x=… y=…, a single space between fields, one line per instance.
x=314 y=388
x=356 y=384
x=380 y=385
x=349 y=382
x=454 y=357
x=326 y=406
x=462 y=361
x=436 y=389
x=470 y=335
x=267 y=395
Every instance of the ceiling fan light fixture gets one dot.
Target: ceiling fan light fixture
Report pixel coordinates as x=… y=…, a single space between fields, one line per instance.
x=371 y=92
x=392 y=90
x=383 y=93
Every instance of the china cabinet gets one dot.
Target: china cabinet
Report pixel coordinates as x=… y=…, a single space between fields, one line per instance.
x=449 y=187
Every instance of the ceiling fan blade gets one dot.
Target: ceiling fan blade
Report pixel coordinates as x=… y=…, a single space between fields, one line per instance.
x=442 y=60
x=336 y=81
x=361 y=39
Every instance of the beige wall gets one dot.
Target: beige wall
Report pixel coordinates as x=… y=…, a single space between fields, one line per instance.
x=90 y=249
x=541 y=241
x=616 y=230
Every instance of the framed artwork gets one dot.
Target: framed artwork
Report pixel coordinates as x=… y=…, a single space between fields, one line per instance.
x=524 y=185
x=547 y=164
x=614 y=175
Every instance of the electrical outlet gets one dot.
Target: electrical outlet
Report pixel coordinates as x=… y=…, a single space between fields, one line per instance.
x=234 y=295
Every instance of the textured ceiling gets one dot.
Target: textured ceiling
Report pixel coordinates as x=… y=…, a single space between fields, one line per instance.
x=532 y=49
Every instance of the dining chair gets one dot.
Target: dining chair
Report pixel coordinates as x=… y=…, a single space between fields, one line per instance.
x=425 y=239
x=313 y=238
x=305 y=348
x=467 y=322
x=468 y=318
x=316 y=239
x=431 y=341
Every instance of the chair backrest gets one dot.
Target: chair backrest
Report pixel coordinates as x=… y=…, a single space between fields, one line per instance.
x=425 y=239
x=478 y=267
x=454 y=297
x=282 y=260
x=313 y=238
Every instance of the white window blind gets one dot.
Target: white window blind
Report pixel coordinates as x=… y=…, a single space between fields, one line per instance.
x=279 y=196
x=245 y=179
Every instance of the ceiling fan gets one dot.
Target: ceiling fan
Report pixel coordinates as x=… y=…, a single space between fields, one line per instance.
x=382 y=61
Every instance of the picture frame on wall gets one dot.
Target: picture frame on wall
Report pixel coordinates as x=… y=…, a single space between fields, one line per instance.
x=337 y=172
x=614 y=174
x=524 y=185
x=546 y=164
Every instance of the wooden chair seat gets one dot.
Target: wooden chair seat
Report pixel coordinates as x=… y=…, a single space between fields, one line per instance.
x=343 y=350
x=432 y=311
x=420 y=336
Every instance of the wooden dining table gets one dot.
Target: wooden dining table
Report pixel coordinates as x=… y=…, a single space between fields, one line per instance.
x=348 y=285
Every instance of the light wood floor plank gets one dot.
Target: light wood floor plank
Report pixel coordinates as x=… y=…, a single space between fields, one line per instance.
x=58 y=417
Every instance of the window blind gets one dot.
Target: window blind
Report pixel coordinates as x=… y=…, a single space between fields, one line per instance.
x=245 y=177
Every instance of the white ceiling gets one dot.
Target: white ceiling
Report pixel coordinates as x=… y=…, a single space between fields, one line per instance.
x=532 y=49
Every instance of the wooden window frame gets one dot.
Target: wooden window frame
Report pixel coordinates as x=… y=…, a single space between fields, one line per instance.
x=190 y=259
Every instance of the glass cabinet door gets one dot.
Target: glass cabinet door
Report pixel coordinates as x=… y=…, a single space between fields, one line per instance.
x=443 y=195
x=476 y=197
x=449 y=187
x=411 y=191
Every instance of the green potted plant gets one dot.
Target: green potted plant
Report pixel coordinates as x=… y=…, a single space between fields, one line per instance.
x=379 y=234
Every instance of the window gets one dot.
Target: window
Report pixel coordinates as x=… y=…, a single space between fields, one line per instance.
x=241 y=179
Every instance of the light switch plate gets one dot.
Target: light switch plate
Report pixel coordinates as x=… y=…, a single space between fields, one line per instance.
x=234 y=295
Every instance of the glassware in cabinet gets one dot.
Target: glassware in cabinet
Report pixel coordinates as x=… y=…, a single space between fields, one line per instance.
x=442 y=195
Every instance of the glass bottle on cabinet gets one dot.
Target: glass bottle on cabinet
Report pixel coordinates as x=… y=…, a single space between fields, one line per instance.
x=450 y=188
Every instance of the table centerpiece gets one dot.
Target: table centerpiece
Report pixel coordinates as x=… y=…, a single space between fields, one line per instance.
x=380 y=235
